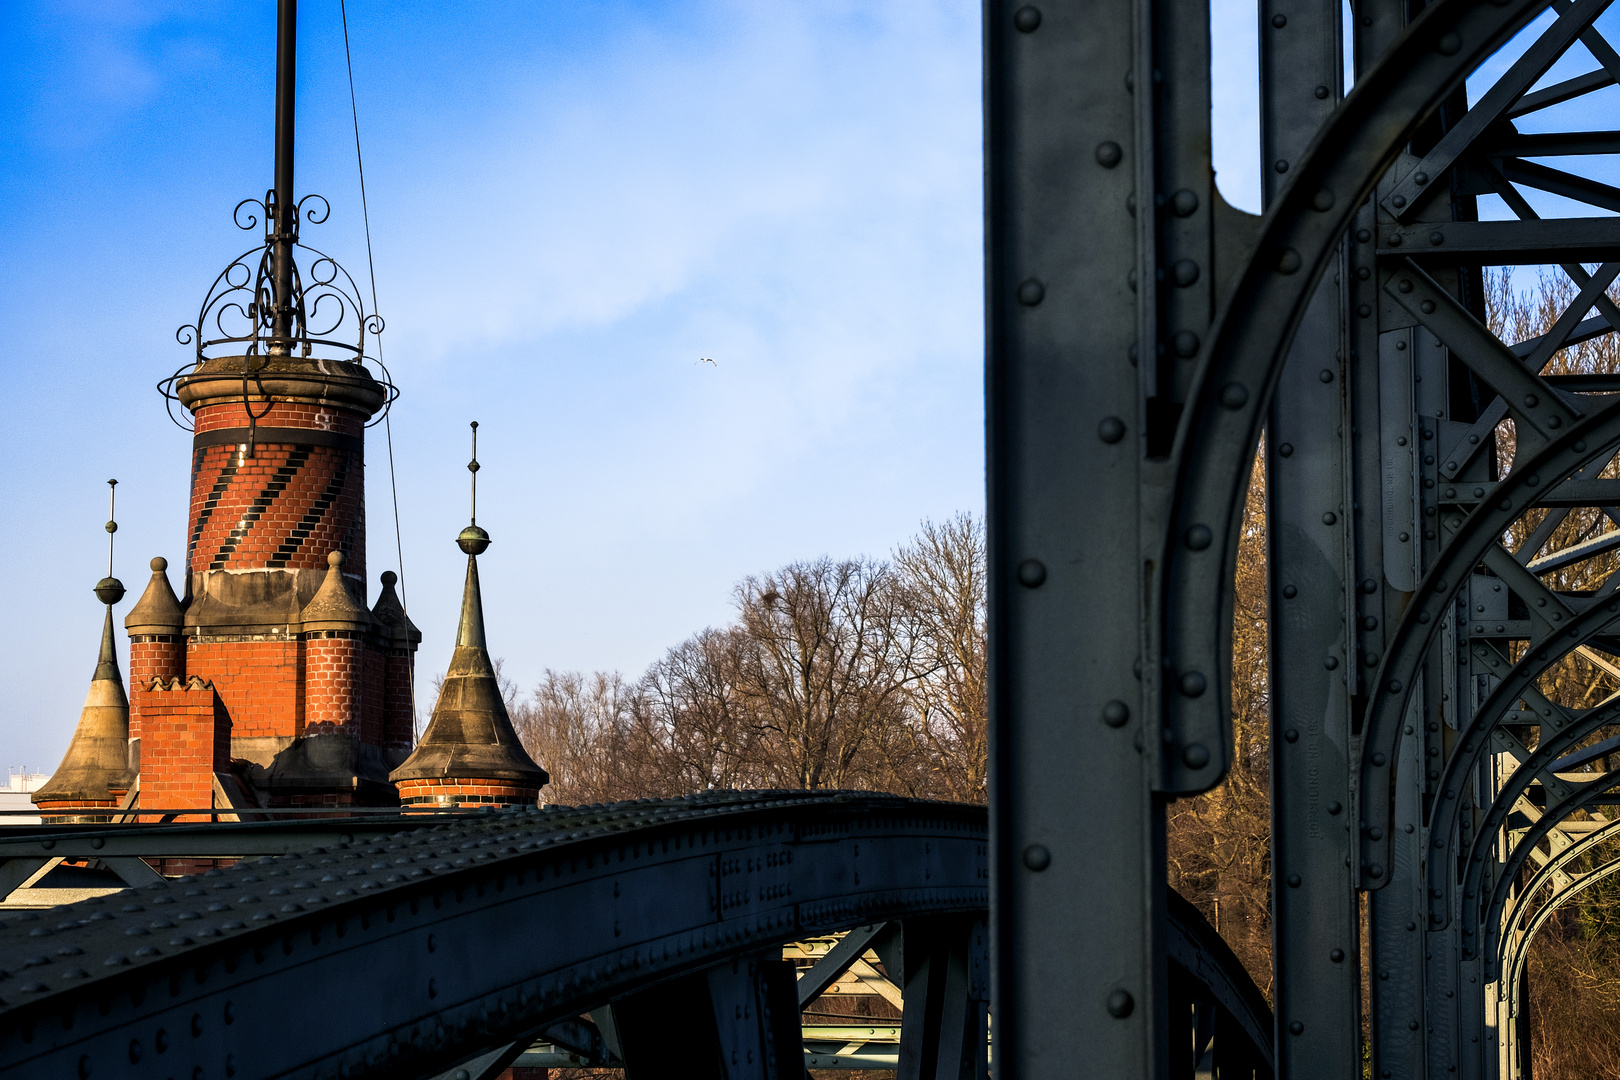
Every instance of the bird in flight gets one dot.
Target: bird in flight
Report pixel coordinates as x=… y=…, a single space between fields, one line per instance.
x=706 y=360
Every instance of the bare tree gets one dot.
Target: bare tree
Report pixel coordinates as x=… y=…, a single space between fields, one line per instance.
x=690 y=704
x=824 y=666
x=941 y=583
x=582 y=730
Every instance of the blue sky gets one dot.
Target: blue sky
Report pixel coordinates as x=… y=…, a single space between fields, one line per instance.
x=571 y=204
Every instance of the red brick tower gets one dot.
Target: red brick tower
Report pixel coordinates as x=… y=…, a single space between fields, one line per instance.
x=269 y=682
x=314 y=691
x=470 y=755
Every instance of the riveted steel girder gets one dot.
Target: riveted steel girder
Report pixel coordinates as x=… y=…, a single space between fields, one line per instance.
x=451 y=941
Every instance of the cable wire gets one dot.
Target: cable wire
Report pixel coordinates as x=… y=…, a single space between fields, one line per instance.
x=371 y=267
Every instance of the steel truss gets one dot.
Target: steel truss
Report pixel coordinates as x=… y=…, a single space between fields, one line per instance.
x=456 y=947
x=1141 y=337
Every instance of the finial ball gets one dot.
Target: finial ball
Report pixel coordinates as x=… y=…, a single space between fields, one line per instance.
x=335 y=559
x=473 y=540
x=109 y=590
x=159 y=565
x=112 y=526
x=388 y=579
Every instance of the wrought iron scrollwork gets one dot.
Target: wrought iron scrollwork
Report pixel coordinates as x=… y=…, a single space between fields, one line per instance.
x=325 y=308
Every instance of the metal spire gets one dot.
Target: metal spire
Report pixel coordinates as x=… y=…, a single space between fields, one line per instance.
x=112 y=524
x=285 y=209
x=473 y=540
x=109 y=590
x=472 y=467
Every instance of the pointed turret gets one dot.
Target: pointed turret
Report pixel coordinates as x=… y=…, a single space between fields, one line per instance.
x=158 y=611
x=95 y=771
x=400 y=638
x=470 y=754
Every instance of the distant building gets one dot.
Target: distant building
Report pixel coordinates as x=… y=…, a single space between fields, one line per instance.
x=15 y=797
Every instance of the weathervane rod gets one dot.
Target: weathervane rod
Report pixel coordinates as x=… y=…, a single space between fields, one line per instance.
x=112 y=523
x=472 y=467
x=285 y=209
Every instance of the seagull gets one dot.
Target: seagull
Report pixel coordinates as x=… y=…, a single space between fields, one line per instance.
x=706 y=360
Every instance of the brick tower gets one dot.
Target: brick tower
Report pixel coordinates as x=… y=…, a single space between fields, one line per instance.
x=275 y=676
x=470 y=755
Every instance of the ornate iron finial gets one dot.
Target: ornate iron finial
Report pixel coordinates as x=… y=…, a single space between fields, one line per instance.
x=472 y=539
x=261 y=304
x=109 y=590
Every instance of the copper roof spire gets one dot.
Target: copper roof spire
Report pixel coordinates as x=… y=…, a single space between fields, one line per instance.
x=95 y=768
x=470 y=737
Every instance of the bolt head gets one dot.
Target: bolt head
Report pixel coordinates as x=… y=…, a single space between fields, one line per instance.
x=1120 y=1004
x=1027 y=19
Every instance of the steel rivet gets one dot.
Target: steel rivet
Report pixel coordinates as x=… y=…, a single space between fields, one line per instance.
x=1421 y=178
x=1289 y=592
x=1199 y=537
x=1192 y=684
x=1449 y=44
x=1195 y=756
x=1031 y=573
x=1184 y=272
x=1378 y=759
x=1281 y=165
x=1109 y=154
x=1285 y=450
x=1375 y=870
x=1325 y=375
x=1185 y=343
x=1116 y=713
x=1296 y=1028
x=1111 y=429
x=1037 y=858
x=1398 y=201
x=1234 y=395
x=1437 y=238
x=1291 y=735
x=1026 y=19
x=1427 y=307
x=1031 y=292
x=1279 y=21
x=1289 y=262
x=1329 y=518
x=1337 y=956
x=1294 y=881
x=1120 y=1003
x=1184 y=203
x=1321 y=92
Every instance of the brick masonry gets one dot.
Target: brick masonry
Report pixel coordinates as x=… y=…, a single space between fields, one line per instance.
x=152 y=656
x=186 y=739
x=471 y=793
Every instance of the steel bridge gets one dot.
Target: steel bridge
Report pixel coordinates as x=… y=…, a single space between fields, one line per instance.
x=1142 y=337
